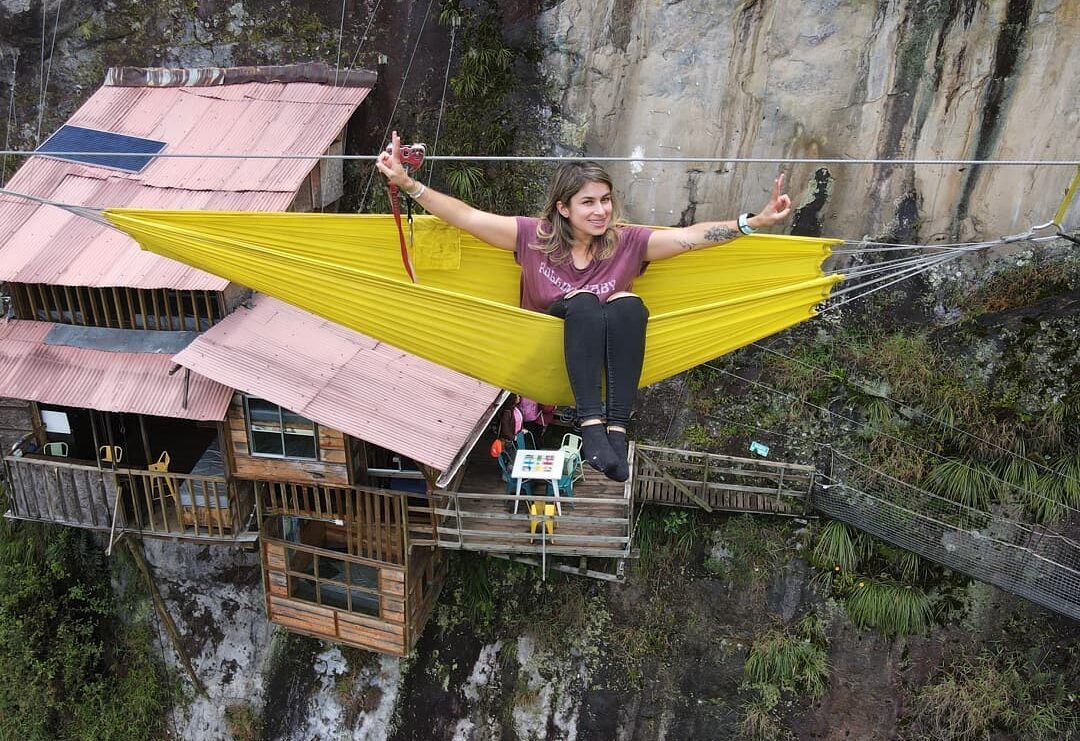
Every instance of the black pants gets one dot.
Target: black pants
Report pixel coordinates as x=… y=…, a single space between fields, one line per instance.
x=598 y=335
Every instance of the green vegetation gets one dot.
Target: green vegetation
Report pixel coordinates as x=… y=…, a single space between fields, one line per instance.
x=837 y=546
x=1018 y=286
x=759 y=719
x=69 y=666
x=490 y=114
x=666 y=532
x=992 y=694
x=795 y=661
x=746 y=549
x=891 y=608
x=892 y=603
x=790 y=659
x=497 y=599
x=242 y=722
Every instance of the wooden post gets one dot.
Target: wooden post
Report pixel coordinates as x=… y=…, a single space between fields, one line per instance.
x=166 y=618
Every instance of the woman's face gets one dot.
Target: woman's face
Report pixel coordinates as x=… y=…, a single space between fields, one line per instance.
x=589 y=210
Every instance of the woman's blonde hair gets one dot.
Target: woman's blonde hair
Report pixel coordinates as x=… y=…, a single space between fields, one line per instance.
x=556 y=241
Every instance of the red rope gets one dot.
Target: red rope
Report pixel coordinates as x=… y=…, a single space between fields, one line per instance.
x=396 y=207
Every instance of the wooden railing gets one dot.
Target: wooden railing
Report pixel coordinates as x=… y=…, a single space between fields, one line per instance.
x=58 y=491
x=723 y=482
x=480 y=522
x=374 y=519
x=171 y=503
x=152 y=503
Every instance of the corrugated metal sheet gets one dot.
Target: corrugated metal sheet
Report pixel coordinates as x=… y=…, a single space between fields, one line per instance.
x=342 y=379
x=138 y=383
x=42 y=244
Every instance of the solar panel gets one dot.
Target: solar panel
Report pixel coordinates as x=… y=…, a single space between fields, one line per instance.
x=110 y=150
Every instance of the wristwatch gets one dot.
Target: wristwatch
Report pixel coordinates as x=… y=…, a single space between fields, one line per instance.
x=744 y=223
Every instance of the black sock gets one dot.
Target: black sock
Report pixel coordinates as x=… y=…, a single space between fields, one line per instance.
x=597 y=452
x=617 y=440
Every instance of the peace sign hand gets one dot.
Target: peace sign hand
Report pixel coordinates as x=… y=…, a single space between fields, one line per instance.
x=389 y=164
x=779 y=206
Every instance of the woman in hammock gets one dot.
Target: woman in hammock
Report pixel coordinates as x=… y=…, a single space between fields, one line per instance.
x=578 y=262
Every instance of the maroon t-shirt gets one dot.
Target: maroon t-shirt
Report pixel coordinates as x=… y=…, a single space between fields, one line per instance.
x=543 y=283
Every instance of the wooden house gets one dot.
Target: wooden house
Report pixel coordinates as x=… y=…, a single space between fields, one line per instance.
x=141 y=395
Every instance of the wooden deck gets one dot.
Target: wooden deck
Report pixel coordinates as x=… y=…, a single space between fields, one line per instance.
x=596 y=521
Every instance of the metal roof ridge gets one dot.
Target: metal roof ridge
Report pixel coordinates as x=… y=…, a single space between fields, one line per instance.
x=312 y=72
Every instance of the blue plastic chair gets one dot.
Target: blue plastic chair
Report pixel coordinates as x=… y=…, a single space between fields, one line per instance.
x=506 y=465
x=571 y=473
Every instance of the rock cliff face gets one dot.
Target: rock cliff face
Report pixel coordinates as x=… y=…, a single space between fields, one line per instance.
x=844 y=79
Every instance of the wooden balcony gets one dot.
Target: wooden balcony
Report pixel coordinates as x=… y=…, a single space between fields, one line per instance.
x=166 y=505
x=337 y=565
x=597 y=521
x=372 y=519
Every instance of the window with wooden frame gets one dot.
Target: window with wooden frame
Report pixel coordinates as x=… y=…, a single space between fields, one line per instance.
x=275 y=432
x=316 y=572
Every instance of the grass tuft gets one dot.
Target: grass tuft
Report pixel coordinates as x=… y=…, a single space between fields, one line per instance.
x=993 y=694
x=795 y=661
x=890 y=608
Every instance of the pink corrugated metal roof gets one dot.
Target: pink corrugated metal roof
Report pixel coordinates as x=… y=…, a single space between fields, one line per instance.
x=95 y=379
x=42 y=244
x=342 y=379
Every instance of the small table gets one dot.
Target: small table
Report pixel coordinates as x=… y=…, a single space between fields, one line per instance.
x=539 y=465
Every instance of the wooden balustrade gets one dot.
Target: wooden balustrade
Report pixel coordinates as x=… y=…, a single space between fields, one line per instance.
x=374 y=519
x=181 y=502
x=724 y=482
x=150 y=502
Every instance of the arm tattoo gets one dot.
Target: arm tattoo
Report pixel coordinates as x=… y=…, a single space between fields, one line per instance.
x=687 y=244
x=720 y=234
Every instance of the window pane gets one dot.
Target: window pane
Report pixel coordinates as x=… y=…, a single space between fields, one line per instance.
x=362 y=575
x=302 y=589
x=301 y=561
x=295 y=423
x=331 y=568
x=299 y=446
x=365 y=602
x=263 y=412
x=332 y=595
x=267 y=443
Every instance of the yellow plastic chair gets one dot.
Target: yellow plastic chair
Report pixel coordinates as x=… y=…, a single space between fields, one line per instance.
x=541 y=512
x=158 y=484
x=110 y=453
x=59 y=450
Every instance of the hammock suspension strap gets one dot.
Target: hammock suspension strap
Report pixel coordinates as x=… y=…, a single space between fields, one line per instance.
x=411 y=157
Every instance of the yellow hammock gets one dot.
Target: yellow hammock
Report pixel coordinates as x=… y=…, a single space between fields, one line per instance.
x=464 y=312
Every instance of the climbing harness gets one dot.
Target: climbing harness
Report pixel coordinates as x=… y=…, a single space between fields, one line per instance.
x=411 y=157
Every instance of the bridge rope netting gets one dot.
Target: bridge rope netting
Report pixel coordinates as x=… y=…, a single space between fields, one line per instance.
x=1023 y=559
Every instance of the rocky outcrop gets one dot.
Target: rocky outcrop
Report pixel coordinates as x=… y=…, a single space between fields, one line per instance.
x=896 y=79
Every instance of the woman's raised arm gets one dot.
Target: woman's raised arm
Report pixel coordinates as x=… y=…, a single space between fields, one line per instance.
x=498 y=231
x=664 y=243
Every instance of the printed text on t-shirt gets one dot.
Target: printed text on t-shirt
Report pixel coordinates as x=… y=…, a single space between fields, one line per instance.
x=563 y=285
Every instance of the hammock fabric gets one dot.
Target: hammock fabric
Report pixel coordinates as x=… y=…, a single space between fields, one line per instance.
x=463 y=313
